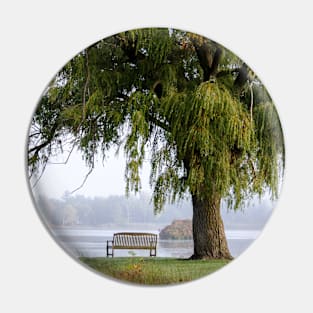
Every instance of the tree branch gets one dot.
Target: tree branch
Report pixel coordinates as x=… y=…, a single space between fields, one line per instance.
x=38 y=148
x=68 y=157
x=86 y=86
x=251 y=102
x=159 y=123
x=242 y=77
x=42 y=145
x=208 y=60
x=253 y=170
x=42 y=171
x=84 y=181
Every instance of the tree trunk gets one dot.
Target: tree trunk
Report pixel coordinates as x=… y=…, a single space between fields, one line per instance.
x=208 y=229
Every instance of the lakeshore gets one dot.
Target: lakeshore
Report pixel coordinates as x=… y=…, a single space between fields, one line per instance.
x=91 y=242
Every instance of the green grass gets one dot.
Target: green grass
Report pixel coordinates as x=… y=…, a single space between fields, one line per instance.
x=154 y=271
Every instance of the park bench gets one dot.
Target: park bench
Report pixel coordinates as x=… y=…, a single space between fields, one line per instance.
x=143 y=241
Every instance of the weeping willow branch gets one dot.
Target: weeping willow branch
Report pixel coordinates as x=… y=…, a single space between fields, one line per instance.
x=38 y=179
x=86 y=86
x=35 y=150
x=84 y=181
x=159 y=123
x=253 y=171
x=68 y=157
x=251 y=101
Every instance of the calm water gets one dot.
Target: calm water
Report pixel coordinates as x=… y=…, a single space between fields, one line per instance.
x=92 y=243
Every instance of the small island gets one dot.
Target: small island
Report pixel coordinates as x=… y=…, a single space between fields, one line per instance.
x=178 y=230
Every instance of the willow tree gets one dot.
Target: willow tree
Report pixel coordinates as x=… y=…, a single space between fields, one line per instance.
x=201 y=115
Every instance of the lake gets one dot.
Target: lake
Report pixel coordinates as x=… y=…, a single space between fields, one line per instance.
x=91 y=242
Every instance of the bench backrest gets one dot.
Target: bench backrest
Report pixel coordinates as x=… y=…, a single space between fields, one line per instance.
x=134 y=240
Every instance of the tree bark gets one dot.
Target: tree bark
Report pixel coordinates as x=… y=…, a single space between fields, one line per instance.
x=208 y=59
x=208 y=229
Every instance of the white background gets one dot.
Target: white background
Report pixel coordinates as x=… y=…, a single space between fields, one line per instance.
x=274 y=38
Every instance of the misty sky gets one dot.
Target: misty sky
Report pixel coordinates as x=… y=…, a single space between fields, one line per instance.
x=106 y=179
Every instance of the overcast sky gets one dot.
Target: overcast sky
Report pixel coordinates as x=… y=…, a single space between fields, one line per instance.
x=106 y=179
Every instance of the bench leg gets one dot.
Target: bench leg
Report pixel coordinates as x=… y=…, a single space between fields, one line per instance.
x=153 y=252
x=110 y=254
x=108 y=248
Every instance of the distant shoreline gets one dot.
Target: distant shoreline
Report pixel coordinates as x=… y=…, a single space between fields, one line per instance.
x=142 y=226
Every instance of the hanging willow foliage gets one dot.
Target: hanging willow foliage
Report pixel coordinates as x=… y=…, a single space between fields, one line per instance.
x=148 y=92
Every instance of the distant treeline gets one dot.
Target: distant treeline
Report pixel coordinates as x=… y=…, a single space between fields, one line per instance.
x=81 y=210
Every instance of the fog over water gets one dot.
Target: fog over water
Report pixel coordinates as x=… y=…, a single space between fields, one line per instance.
x=67 y=214
x=92 y=243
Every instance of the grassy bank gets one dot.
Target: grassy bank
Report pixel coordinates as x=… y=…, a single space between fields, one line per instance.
x=154 y=271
